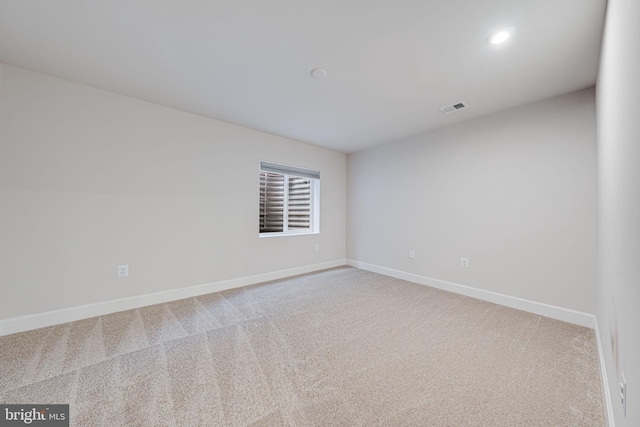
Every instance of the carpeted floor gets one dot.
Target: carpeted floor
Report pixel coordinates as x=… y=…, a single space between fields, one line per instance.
x=342 y=347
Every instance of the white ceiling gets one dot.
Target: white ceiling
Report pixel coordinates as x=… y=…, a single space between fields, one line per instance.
x=391 y=64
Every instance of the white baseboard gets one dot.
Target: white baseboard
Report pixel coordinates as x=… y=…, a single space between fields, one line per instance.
x=542 y=309
x=606 y=391
x=56 y=317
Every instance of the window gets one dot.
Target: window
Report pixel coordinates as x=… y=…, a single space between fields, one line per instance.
x=289 y=200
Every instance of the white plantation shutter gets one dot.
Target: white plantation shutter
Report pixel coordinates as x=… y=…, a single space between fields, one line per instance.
x=286 y=198
x=299 y=207
x=271 y=202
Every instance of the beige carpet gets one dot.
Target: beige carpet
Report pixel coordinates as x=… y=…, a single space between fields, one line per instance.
x=342 y=347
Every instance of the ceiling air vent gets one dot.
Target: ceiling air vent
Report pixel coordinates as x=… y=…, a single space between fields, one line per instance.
x=455 y=107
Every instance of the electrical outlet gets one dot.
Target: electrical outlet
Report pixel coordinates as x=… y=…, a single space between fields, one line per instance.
x=464 y=262
x=317 y=247
x=623 y=394
x=123 y=270
x=412 y=254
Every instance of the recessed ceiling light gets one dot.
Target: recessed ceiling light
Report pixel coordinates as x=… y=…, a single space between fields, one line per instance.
x=319 y=73
x=500 y=36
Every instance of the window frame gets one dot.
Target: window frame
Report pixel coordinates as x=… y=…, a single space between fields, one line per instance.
x=287 y=172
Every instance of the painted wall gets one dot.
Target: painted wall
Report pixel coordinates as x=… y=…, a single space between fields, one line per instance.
x=91 y=179
x=515 y=192
x=618 y=107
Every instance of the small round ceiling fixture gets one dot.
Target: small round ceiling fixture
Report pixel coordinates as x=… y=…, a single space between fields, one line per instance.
x=318 y=73
x=500 y=36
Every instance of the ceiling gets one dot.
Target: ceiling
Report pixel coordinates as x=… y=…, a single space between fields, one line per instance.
x=391 y=64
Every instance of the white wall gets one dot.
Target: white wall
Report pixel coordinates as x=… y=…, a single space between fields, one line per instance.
x=91 y=179
x=515 y=192
x=618 y=106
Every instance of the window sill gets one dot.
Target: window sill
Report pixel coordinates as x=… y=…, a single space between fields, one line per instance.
x=305 y=233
